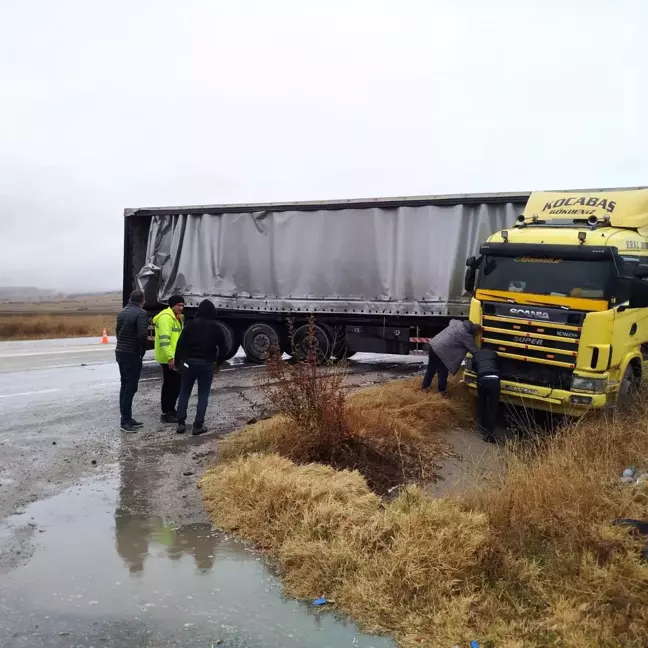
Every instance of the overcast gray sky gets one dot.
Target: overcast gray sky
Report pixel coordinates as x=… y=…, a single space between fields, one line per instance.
x=128 y=103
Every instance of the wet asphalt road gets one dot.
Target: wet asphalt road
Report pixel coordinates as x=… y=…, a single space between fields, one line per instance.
x=103 y=538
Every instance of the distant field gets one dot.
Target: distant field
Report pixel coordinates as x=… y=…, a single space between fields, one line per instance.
x=108 y=303
x=58 y=318
x=33 y=326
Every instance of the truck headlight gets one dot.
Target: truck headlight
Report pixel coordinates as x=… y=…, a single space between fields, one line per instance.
x=592 y=385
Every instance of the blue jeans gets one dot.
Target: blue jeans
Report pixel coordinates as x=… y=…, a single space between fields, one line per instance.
x=130 y=368
x=192 y=371
x=435 y=365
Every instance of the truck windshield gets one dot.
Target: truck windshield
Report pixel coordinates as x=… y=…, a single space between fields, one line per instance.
x=546 y=276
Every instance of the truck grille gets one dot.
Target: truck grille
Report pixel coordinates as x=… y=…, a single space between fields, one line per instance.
x=540 y=348
x=520 y=371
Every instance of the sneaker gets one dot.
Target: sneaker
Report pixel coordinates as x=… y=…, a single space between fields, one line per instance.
x=182 y=428
x=128 y=427
x=198 y=429
x=169 y=418
x=136 y=424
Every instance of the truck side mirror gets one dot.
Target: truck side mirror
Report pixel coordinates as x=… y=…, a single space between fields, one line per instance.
x=470 y=261
x=469 y=279
x=638 y=294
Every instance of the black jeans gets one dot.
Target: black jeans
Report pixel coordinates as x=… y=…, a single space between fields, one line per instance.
x=488 y=396
x=192 y=371
x=170 y=389
x=130 y=368
x=436 y=366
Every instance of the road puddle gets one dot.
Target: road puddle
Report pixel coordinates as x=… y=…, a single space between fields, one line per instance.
x=90 y=572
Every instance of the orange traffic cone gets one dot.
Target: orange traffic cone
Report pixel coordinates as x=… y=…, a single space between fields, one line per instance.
x=104 y=337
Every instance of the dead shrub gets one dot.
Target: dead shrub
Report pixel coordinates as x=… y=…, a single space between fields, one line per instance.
x=391 y=434
x=313 y=398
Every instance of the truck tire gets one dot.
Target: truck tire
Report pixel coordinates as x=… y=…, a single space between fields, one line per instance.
x=258 y=341
x=629 y=386
x=322 y=342
x=232 y=338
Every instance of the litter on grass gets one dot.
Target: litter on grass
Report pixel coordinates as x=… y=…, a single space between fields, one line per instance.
x=320 y=601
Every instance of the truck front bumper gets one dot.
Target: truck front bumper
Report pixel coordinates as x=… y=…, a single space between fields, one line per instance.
x=558 y=401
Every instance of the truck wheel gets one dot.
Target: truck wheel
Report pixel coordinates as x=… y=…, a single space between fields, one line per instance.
x=321 y=342
x=258 y=341
x=231 y=339
x=629 y=386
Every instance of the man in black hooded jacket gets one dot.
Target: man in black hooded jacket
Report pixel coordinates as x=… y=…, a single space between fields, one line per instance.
x=486 y=366
x=201 y=345
x=132 y=335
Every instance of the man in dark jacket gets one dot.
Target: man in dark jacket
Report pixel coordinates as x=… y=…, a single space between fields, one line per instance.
x=448 y=350
x=132 y=334
x=486 y=366
x=201 y=345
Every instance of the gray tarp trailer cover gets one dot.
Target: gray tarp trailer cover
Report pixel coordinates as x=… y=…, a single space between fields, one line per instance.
x=382 y=274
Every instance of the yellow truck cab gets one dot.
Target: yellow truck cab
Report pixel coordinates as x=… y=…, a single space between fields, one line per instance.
x=562 y=298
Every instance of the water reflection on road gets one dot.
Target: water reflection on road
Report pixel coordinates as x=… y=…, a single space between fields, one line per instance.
x=96 y=568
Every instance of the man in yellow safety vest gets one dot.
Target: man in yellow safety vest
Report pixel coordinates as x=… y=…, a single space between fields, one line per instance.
x=168 y=326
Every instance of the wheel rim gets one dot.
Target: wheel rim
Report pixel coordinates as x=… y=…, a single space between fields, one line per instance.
x=320 y=344
x=259 y=341
x=262 y=344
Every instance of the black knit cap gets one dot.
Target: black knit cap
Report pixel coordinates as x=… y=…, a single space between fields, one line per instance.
x=207 y=310
x=176 y=299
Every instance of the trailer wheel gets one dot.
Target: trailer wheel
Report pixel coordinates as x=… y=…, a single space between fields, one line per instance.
x=259 y=340
x=322 y=345
x=232 y=339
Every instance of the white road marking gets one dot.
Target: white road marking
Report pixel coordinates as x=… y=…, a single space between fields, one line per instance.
x=114 y=383
x=31 y=393
x=44 y=353
x=73 y=364
x=50 y=391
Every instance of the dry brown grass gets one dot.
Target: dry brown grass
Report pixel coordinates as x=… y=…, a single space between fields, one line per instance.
x=530 y=559
x=90 y=304
x=37 y=326
x=391 y=433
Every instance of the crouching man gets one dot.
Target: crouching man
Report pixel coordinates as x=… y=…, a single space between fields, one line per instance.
x=486 y=366
x=448 y=350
